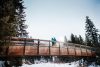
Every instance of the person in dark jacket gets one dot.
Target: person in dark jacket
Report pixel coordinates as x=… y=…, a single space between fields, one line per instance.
x=53 y=41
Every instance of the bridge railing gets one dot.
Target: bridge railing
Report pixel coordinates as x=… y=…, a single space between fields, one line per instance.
x=27 y=46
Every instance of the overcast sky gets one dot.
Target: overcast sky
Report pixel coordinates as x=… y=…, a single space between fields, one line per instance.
x=57 y=18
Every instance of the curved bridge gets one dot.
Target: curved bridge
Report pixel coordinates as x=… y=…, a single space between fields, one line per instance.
x=35 y=47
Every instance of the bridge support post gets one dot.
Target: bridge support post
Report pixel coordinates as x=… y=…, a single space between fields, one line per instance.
x=86 y=50
x=59 y=49
x=7 y=46
x=24 y=47
x=75 y=49
x=67 y=49
x=49 y=48
x=81 y=50
x=38 y=47
x=91 y=51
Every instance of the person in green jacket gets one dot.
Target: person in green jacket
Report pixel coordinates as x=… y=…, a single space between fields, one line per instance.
x=53 y=41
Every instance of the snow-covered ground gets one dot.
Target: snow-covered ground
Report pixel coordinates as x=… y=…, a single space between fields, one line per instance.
x=51 y=64
x=2 y=64
x=74 y=64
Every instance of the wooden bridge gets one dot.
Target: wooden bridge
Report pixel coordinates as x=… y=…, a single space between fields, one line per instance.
x=18 y=47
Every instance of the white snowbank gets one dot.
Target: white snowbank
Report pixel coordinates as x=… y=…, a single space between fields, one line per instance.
x=72 y=64
x=51 y=65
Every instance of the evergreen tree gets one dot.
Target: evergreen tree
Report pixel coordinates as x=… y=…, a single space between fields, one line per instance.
x=6 y=18
x=72 y=38
x=77 y=40
x=87 y=41
x=99 y=39
x=91 y=33
x=81 y=40
x=20 y=18
x=12 y=22
x=65 y=39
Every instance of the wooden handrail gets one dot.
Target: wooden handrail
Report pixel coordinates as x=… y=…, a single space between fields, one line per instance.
x=17 y=40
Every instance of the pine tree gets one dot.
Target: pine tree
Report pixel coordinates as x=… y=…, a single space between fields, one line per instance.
x=7 y=26
x=99 y=39
x=20 y=18
x=65 y=39
x=72 y=38
x=91 y=33
x=12 y=22
x=81 y=40
x=77 y=40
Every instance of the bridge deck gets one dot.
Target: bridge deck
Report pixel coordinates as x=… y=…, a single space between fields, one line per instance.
x=35 y=47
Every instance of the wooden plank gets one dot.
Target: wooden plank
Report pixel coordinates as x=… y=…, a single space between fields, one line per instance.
x=15 y=50
x=30 y=50
x=43 y=50
x=93 y=53
x=78 y=52
x=89 y=53
x=63 y=51
x=3 y=50
x=84 y=52
x=54 y=51
x=71 y=51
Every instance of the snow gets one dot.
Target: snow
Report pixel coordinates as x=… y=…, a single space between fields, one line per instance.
x=56 y=65
x=94 y=66
x=2 y=64
x=51 y=65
